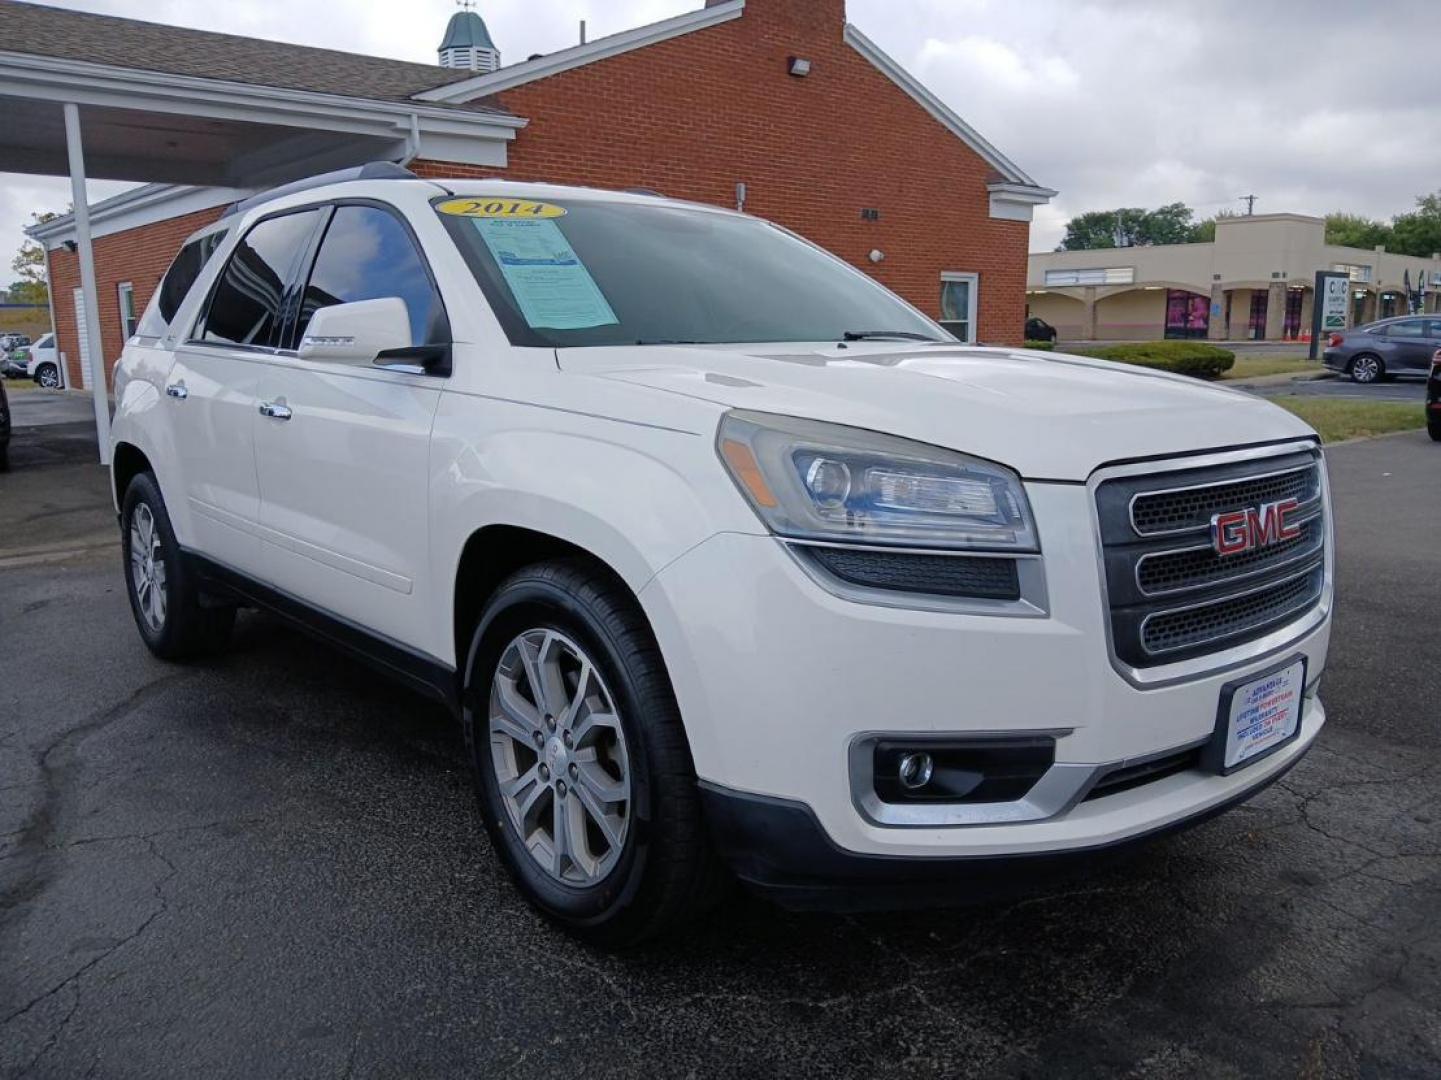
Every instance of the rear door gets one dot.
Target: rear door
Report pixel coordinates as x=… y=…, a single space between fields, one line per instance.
x=344 y=464
x=211 y=389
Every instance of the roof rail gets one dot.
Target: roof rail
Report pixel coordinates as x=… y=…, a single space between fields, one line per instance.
x=375 y=170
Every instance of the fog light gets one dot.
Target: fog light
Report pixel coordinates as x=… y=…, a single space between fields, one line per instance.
x=915 y=770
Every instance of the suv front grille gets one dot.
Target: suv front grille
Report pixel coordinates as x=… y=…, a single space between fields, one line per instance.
x=1172 y=596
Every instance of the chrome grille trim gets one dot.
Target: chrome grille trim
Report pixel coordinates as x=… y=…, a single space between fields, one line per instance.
x=1118 y=546
x=1310 y=578
x=1311 y=493
x=1311 y=543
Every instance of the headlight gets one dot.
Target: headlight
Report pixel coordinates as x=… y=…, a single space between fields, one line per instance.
x=815 y=481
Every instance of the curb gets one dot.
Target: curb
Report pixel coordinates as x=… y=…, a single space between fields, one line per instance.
x=1374 y=438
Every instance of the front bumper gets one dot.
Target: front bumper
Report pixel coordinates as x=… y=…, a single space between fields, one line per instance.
x=777 y=678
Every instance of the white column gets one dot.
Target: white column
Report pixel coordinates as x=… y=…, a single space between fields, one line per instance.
x=91 y=329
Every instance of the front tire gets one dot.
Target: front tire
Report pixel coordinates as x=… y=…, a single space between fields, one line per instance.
x=48 y=376
x=164 y=591
x=1366 y=369
x=1433 y=428
x=581 y=763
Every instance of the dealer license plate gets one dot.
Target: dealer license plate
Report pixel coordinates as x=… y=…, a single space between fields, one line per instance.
x=1260 y=715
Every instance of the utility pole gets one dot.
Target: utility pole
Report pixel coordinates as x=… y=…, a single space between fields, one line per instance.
x=1250 y=201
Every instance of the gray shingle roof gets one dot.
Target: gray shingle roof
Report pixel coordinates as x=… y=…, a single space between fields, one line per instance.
x=174 y=50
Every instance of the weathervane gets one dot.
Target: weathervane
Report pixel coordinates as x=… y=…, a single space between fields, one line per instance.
x=465 y=5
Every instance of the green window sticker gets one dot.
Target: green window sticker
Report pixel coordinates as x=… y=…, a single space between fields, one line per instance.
x=552 y=286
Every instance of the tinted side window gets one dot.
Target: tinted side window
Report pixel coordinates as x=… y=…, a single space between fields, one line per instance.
x=367 y=254
x=1411 y=328
x=248 y=303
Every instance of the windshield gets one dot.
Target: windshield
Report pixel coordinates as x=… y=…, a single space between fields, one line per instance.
x=578 y=273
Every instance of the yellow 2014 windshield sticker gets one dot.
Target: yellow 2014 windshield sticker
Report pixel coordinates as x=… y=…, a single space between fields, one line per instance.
x=501 y=209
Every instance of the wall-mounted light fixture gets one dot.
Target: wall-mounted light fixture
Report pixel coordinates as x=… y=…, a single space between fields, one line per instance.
x=877 y=255
x=800 y=67
x=71 y=246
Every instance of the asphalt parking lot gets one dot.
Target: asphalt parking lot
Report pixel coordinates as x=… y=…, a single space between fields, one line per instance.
x=1406 y=389
x=270 y=865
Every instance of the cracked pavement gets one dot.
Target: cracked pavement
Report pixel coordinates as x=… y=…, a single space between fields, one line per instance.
x=270 y=864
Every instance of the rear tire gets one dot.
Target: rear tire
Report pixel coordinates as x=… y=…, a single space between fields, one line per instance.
x=164 y=590
x=48 y=376
x=5 y=457
x=1366 y=369
x=544 y=794
x=1433 y=428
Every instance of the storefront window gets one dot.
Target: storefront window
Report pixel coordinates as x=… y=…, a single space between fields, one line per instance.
x=1188 y=314
x=1294 y=299
x=1256 y=325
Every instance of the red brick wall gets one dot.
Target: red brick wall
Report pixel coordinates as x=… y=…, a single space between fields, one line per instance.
x=140 y=256
x=693 y=116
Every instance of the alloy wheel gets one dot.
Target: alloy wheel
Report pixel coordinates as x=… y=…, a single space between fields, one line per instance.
x=559 y=757
x=147 y=567
x=48 y=377
x=1365 y=369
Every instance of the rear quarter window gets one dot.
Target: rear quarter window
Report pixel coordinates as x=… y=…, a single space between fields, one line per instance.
x=175 y=286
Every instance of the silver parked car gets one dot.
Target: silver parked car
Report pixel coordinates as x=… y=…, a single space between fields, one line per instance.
x=1402 y=346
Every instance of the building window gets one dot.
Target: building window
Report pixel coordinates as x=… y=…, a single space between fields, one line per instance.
x=1358 y=273
x=1114 y=275
x=127 y=310
x=958 y=305
x=1188 y=314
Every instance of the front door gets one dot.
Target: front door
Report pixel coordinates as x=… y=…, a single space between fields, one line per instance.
x=344 y=459
x=211 y=392
x=1410 y=346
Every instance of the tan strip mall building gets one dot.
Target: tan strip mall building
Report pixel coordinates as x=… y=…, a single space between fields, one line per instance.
x=1255 y=282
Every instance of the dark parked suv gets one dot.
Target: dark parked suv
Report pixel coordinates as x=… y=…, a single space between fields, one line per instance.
x=4 y=429
x=1401 y=346
x=1433 y=398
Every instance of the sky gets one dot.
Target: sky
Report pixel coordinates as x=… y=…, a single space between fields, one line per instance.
x=1315 y=106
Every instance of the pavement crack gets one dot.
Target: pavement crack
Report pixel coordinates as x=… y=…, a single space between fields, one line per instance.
x=60 y=766
x=162 y=906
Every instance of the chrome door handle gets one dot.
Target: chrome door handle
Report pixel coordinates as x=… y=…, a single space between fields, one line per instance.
x=275 y=410
x=177 y=390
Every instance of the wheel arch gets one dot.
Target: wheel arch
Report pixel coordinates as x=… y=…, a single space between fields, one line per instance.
x=128 y=462
x=494 y=552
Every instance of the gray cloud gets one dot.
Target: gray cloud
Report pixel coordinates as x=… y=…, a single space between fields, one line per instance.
x=1313 y=107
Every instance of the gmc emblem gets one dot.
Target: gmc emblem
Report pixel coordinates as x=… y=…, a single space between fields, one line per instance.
x=1246 y=530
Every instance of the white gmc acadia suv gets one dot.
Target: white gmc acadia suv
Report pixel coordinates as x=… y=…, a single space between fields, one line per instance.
x=724 y=556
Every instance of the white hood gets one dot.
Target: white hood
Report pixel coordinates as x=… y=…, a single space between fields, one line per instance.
x=1049 y=416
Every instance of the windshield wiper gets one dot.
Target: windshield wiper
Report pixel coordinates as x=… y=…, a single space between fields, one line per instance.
x=866 y=335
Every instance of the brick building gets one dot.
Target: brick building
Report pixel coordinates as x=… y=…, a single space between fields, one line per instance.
x=777 y=106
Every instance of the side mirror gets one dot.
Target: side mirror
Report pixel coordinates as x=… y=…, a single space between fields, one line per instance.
x=357 y=333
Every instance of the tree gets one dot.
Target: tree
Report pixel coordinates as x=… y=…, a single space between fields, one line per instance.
x=1419 y=232
x=1353 y=230
x=1204 y=232
x=1169 y=224
x=29 y=265
x=1129 y=227
x=28 y=292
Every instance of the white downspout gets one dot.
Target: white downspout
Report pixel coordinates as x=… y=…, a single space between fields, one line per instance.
x=87 y=279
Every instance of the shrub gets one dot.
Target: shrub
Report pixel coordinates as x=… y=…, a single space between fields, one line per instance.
x=1041 y=346
x=1182 y=357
